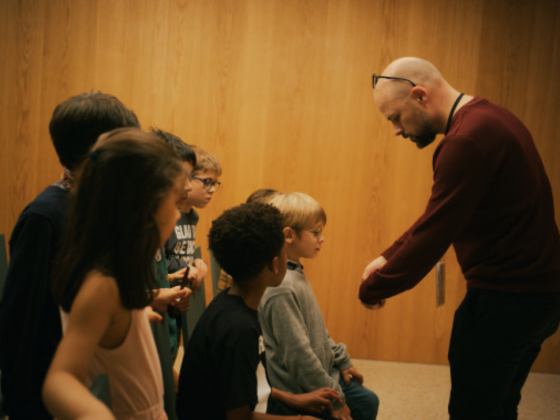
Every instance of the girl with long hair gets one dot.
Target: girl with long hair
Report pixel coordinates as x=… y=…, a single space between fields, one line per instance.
x=124 y=208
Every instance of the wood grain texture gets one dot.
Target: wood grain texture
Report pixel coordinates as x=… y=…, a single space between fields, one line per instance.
x=280 y=92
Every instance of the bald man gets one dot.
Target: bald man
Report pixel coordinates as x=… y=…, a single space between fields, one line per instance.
x=491 y=199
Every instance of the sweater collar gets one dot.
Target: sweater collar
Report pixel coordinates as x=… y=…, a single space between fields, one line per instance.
x=293 y=265
x=66 y=181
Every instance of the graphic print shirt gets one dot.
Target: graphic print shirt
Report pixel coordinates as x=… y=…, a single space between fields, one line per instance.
x=179 y=249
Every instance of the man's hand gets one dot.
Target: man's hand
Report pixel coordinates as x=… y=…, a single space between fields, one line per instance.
x=378 y=305
x=372 y=266
x=342 y=413
x=352 y=373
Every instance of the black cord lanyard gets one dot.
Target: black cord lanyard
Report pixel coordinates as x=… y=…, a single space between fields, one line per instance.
x=452 y=111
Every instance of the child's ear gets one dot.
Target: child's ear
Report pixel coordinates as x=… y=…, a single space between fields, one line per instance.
x=289 y=234
x=275 y=265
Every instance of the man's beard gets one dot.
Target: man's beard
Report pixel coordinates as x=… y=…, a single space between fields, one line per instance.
x=426 y=135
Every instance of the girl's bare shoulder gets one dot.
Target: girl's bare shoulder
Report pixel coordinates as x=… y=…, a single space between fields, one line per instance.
x=100 y=286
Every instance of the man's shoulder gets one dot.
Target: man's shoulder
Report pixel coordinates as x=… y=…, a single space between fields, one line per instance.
x=479 y=116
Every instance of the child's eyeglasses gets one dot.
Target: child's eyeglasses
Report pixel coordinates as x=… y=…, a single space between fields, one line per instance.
x=316 y=232
x=208 y=183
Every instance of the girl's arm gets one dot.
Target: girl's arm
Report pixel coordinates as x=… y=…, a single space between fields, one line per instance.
x=96 y=318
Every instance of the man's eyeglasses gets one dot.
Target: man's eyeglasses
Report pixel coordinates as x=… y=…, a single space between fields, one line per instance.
x=208 y=183
x=376 y=78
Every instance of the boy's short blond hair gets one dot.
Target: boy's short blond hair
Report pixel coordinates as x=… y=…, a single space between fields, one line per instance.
x=299 y=210
x=263 y=195
x=206 y=162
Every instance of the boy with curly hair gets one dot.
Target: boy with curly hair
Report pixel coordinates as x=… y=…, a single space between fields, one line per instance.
x=223 y=374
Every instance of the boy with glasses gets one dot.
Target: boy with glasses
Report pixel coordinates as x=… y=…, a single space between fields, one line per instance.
x=301 y=355
x=180 y=248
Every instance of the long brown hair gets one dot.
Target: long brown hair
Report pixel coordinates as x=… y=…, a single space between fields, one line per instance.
x=112 y=226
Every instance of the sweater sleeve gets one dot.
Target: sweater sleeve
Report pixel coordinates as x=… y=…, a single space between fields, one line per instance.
x=462 y=175
x=291 y=337
x=341 y=356
x=28 y=314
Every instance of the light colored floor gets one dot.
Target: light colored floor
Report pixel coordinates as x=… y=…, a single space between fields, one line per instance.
x=420 y=392
x=411 y=391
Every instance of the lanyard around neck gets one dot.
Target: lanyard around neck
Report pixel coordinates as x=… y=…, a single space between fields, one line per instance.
x=452 y=111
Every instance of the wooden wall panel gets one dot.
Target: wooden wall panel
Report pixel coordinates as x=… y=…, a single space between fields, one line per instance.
x=280 y=91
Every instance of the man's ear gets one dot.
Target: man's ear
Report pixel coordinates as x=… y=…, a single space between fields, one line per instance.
x=289 y=235
x=419 y=94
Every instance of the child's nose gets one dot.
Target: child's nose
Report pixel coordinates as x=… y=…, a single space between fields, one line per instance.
x=188 y=185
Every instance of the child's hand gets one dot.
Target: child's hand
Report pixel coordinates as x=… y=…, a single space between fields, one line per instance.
x=197 y=273
x=202 y=270
x=153 y=316
x=352 y=373
x=182 y=302
x=176 y=277
x=343 y=413
x=167 y=297
x=316 y=401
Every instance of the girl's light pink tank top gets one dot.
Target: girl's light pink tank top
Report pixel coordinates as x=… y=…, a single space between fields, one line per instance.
x=133 y=370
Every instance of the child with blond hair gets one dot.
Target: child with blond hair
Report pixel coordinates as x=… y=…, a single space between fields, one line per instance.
x=223 y=375
x=180 y=248
x=301 y=355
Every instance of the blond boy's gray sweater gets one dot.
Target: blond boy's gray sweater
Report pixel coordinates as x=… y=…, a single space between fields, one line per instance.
x=300 y=354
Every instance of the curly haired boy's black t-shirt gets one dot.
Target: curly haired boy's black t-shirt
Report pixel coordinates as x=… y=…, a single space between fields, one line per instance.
x=224 y=365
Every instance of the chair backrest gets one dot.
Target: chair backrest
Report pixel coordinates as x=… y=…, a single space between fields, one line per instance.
x=196 y=308
x=3 y=272
x=100 y=388
x=162 y=340
x=216 y=271
x=220 y=279
x=3 y=263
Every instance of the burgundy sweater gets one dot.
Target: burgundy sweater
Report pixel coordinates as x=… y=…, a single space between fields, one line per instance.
x=491 y=199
